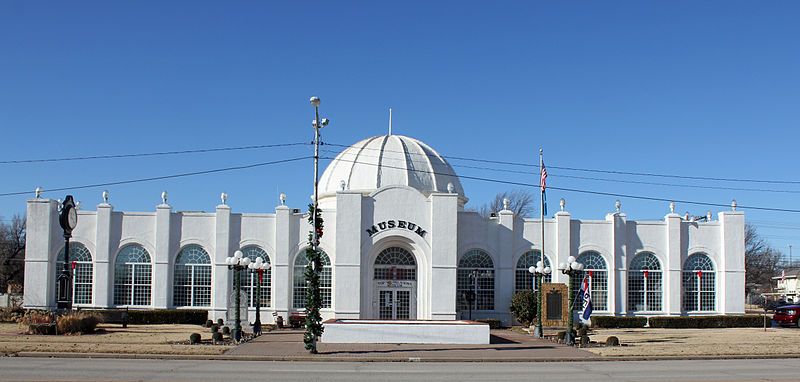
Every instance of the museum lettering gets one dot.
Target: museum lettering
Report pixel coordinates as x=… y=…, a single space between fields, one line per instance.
x=396 y=224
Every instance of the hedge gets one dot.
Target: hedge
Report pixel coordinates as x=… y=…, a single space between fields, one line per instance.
x=160 y=316
x=702 y=322
x=493 y=322
x=618 y=322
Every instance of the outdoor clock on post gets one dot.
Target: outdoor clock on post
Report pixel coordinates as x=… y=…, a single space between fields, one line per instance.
x=68 y=218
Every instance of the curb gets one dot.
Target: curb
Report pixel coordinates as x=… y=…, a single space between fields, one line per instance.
x=192 y=357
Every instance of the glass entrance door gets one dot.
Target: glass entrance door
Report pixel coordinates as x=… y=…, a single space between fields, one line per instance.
x=394 y=304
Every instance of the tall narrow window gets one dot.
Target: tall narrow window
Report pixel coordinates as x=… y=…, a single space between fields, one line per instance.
x=82 y=272
x=300 y=286
x=476 y=275
x=192 y=277
x=699 y=284
x=644 y=283
x=251 y=280
x=596 y=273
x=524 y=279
x=132 y=276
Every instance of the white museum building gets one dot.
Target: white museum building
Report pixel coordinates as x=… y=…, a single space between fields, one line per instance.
x=399 y=244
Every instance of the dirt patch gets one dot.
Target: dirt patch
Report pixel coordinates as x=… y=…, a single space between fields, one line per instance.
x=136 y=339
x=698 y=342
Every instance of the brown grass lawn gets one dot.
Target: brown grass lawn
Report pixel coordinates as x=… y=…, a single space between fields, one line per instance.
x=136 y=339
x=702 y=342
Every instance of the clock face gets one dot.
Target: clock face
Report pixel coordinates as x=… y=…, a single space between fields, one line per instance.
x=72 y=218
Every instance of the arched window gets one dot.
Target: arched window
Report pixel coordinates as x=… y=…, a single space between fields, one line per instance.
x=644 y=283
x=596 y=272
x=251 y=280
x=192 y=286
x=476 y=274
x=699 y=284
x=395 y=263
x=82 y=273
x=300 y=286
x=133 y=276
x=524 y=279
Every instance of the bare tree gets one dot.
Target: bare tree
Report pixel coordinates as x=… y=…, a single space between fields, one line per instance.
x=12 y=252
x=761 y=261
x=520 y=201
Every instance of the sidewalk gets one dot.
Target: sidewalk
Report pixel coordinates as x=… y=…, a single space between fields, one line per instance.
x=505 y=346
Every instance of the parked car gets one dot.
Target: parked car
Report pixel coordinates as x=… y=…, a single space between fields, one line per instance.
x=787 y=315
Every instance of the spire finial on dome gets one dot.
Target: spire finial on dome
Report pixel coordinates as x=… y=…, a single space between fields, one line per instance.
x=390 y=121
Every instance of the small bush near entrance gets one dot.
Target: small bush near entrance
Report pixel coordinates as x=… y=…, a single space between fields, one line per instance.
x=612 y=341
x=217 y=337
x=226 y=330
x=523 y=307
x=493 y=322
x=214 y=328
x=209 y=323
x=78 y=322
x=618 y=322
x=194 y=338
x=703 y=322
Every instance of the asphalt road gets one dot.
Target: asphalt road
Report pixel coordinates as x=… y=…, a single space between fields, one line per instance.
x=66 y=369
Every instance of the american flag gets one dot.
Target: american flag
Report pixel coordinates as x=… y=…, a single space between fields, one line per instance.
x=543 y=180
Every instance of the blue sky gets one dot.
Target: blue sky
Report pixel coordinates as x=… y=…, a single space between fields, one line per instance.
x=694 y=88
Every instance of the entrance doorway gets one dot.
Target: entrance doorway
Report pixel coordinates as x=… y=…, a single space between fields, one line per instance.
x=394 y=304
x=395 y=285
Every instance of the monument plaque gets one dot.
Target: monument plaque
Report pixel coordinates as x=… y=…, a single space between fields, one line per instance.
x=554 y=305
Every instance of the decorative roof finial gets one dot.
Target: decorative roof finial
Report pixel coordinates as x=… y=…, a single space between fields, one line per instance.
x=78 y=205
x=343 y=185
x=618 y=205
x=38 y=192
x=733 y=204
x=709 y=216
x=105 y=196
x=562 y=203
x=450 y=187
x=282 y=198
x=164 y=197
x=224 y=197
x=672 y=207
x=505 y=203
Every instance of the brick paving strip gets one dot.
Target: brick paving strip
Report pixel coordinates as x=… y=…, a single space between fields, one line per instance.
x=505 y=346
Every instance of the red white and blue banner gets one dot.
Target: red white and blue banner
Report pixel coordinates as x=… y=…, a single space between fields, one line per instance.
x=586 y=295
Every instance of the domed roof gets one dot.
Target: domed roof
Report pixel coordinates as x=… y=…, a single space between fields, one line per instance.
x=386 y=160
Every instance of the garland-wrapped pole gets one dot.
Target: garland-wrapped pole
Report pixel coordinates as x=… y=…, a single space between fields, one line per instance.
x=313 y=298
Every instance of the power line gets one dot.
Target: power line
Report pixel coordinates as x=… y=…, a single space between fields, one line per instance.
x=157 y=153
x=185 y=174
x=559 y=175
x=704 y=178
x=620 y=195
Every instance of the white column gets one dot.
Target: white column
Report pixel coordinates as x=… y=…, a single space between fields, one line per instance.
x=505 y=279
x=103 y=276
x=444 y=255
x=672 y=265
x=281 y=280
x=561 y=243
x=163 y=258
x=730 y=287
x=617 y=269
x=221 y=287
x=41 y=229
x=347 y=259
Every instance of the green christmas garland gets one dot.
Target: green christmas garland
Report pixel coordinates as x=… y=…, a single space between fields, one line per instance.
x=314 y=327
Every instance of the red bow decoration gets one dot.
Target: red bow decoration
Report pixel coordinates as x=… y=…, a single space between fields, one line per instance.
x=590 y=274
x=74 y=264
x=260 y=275
x=645 y=274
x=699 y=274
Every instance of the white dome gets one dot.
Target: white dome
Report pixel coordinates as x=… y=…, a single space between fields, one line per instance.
x=387 y=160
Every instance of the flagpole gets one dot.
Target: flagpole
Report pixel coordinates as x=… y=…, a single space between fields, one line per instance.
x=539 y=331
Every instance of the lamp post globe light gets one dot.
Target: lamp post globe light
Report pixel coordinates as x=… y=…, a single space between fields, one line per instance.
x=237 y=263
x=571 y=268
x=539 y=271
x=258 y=267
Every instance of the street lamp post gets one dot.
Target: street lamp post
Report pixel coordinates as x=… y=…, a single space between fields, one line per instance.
x=539 y=271
x=258 y=267
x=570 y=268
x=68 y=219
x=237 y=263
